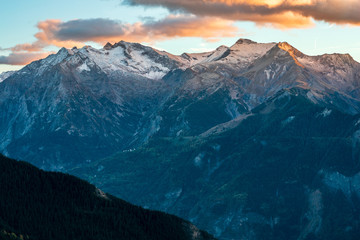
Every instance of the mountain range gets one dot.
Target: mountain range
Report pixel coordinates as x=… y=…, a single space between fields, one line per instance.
x=252 y=141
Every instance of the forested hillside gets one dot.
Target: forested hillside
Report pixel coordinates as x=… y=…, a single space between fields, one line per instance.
x=35 y=204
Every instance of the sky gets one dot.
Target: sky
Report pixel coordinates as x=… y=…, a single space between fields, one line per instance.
x=31 y=30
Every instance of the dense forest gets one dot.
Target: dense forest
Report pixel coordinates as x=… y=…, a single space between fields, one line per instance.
x=35 y=204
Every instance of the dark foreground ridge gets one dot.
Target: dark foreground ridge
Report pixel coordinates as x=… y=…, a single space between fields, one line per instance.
x=35 y=204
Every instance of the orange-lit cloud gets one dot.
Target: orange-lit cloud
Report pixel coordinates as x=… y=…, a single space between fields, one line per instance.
x=77 y=32
x=278 y=13
x=172 y=26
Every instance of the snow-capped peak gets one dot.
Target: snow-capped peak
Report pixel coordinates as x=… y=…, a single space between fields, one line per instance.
x=244 y=52
x=54 y=59
x=128 y=57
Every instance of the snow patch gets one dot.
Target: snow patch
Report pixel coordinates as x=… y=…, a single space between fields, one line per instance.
x=267 y=72
x=358 y=122
x=155 y=75
x=84 y=67
x=288 y=120
x=198 y=159
x=174 y=194
x=129 y=150
x=325 y=113
x=178 y=133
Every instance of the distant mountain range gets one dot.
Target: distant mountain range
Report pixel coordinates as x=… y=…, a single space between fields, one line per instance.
x=252 y=141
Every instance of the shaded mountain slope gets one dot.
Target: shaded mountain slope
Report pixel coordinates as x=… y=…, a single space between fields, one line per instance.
x=45 y=205
x=289 y=169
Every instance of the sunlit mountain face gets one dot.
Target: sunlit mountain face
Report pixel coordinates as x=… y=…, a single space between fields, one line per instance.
x=248 y=141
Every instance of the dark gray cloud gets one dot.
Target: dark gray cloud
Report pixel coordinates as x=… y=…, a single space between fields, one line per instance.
x=85 y=29
x=22 y=58
x=281 y=13
x=55 y=32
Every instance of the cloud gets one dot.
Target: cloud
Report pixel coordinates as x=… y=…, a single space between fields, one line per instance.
x=47 y=35
x=22 y=58
x=172 y=26
x=332 y=11
x=76 y=32
x=277 y=13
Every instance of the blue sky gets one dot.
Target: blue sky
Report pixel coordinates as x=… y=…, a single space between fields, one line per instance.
x=174 y=26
